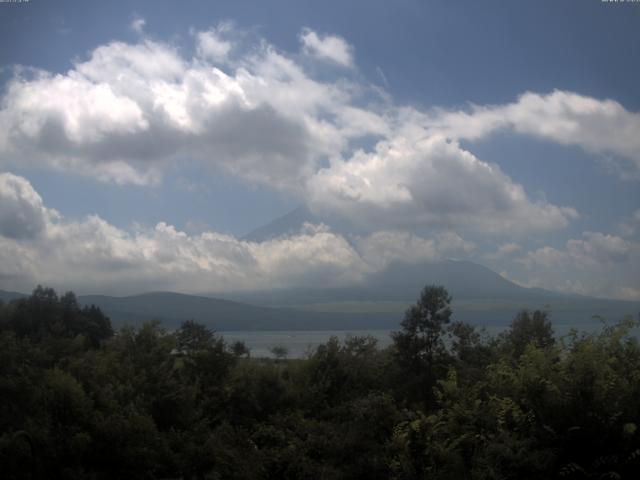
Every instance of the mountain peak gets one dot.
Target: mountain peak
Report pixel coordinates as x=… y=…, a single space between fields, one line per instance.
x=287 y=224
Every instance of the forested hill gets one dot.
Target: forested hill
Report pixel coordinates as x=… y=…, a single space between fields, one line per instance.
x=336 y=309
x=223 y=315
x=9 y=296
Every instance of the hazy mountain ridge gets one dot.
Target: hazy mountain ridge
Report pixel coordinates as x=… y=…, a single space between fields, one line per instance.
x=403 y=282
x=293 y=222
x=289 y=223
x=480 y=296
x=224 y=315
x=7 y=296
x=398 y=281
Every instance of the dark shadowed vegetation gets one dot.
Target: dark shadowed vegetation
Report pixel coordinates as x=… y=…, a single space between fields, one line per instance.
x=445 y=401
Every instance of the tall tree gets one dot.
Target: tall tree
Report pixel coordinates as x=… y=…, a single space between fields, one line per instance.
x=529 y=327
x=419 y=346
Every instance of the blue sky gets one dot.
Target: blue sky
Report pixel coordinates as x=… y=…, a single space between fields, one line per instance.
x=502 y=132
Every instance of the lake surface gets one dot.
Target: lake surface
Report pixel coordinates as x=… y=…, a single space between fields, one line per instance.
x=300 y=343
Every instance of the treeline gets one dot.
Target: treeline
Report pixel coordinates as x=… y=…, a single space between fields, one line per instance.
x=445 y=401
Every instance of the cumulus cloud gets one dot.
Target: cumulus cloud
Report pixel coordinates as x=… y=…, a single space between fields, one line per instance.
x=327 y=47
x=547 y=257
x=599 y=248
x=426 y=181
x=597 y=264
x=384 y=247
x=592 y=250
x=93 y=255
x=137 y=25
x=504 y=251
x=22 y=213
x=130 y=111
x=212 y=45
x=567 y=118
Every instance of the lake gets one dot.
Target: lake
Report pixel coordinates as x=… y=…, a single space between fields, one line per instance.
x=298 y=342
x=301 y=342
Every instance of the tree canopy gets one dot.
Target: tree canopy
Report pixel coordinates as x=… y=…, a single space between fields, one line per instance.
x=444 y=401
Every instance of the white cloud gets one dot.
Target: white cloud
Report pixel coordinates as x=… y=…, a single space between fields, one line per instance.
x=384 y=247
x=599 y=248
x=38 y=245
x=22 y=213
x=567 y=118
x=131 y=111
x=429 y=181
x=597 y=264
x=598 y=288
x=92 y=255
x=594 y=249
x=547 y=257
x=327 y=47
x=452 y=245
x=212 y=45
x=137 y=25
x=504 y=251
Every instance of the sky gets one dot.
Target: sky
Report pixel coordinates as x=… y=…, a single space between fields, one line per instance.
x=141 y=140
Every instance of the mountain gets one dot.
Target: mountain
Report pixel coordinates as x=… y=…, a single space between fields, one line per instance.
x=462 y=279
x=399 y=281
x=294 y=221
x=9 y=296
x=289 y=223
x=327 y=314
x=402 y=282
x=381 y=307
x=224 y=315
x=480 y=296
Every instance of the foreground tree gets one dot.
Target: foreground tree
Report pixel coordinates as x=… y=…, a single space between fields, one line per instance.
x=44 y=315
x=529 y=328
x=420 y=348
x=280 y=352
x=240 y=349
x=153 y=403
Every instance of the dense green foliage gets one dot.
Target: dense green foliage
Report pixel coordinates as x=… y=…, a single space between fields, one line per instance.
x=444 y=401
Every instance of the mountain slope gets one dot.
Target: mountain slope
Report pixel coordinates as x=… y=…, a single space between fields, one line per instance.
x=7 y=297
x=327 y=310
x=224 y=315
x=403 y=282
x=480 y=296
x=293 y=221
x=287 y=224
x=399 y=281
x=462 y=279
